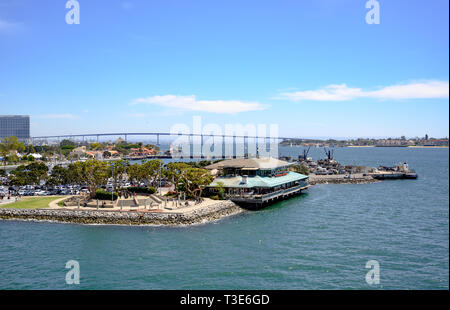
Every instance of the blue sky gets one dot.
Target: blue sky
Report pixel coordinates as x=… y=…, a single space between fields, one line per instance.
x=315 y=68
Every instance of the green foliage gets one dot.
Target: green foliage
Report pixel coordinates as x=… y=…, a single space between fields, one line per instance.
x=170 y=194
x=93 y=173
x=174 y=172
x=67 y=143
x=9 y=146
x=193 y=180
x=134 y=173
x=302 y=169
x=220 y=191
x=33 y=174
x=27 y=158
x=152 y=146
x=29 y=149
x=104 y=195
x=148 y=171
x=59 y=176
x=199 y=164
x=13 y=158
x=95 y=145
x=44 y=148
x=68 y=147
x=117 y=171
x=142 y=190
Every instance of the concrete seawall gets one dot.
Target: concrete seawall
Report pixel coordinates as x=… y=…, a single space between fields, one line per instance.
x=212 y=212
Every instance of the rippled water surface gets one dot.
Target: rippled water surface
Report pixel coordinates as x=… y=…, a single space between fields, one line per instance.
x=320 y=240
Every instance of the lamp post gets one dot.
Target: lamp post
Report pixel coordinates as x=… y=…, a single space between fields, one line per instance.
x=159 y=179
x=112 y=191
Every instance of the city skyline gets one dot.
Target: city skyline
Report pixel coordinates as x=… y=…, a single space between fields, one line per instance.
x=315 y=69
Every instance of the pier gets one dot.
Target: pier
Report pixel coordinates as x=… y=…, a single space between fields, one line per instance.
x=258 y=201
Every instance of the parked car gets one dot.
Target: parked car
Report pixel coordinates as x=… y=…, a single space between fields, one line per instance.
x=41 y=193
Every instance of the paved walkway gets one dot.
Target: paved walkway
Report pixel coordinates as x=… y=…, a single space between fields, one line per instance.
x=6 y=201
x=164 y=207
x=54 y=204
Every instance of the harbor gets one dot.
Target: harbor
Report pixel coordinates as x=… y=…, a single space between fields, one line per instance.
x=236 y=185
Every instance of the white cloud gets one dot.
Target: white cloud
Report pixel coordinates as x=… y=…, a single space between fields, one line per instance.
x=341 y=92
x=192 y=104
x=56 y=116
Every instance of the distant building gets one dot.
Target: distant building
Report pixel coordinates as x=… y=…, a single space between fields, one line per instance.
x=15 y=125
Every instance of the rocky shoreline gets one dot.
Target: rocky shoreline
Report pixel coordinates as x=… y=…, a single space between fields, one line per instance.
x=206 y=214
x=314 y=180
x=213 y=212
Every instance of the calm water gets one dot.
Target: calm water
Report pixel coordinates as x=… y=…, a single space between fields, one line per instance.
x=321 y=240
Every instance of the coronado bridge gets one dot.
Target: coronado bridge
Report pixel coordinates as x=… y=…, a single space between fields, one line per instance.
x=246 y=140
x=150 y=134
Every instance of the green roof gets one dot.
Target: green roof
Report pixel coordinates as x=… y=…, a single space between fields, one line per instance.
x=258 y=181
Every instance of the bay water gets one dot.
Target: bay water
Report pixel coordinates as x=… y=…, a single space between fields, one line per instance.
x=319 y=240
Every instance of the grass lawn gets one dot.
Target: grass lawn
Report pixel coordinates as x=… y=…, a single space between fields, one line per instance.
x=31 y=203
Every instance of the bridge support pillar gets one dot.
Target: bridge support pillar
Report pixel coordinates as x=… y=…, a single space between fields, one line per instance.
x=201 y=146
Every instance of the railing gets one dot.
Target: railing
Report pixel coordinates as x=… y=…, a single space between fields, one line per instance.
x=263 y=197
x=283 y=191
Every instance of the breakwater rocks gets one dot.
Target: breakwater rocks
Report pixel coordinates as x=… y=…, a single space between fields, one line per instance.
x=313 y=180
x=208 y=213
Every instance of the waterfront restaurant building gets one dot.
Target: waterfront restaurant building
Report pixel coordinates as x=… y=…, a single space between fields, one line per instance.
x=256 y=181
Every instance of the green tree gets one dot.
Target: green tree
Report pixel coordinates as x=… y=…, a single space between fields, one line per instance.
x=29 y=149
x=194 y=181
x=93 y=173
x=31 y=174
x=174 y=173
x=95 y=145
x=66 y=142
x=59 y=176
x=220 y=190
x=135 y=174
x=9 y=146
x=119 y=169
x=151 y=170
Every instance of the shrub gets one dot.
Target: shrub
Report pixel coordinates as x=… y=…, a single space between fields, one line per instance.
x=142 y=190
x=301 y=169
x=170 y=194
x=104 y=195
